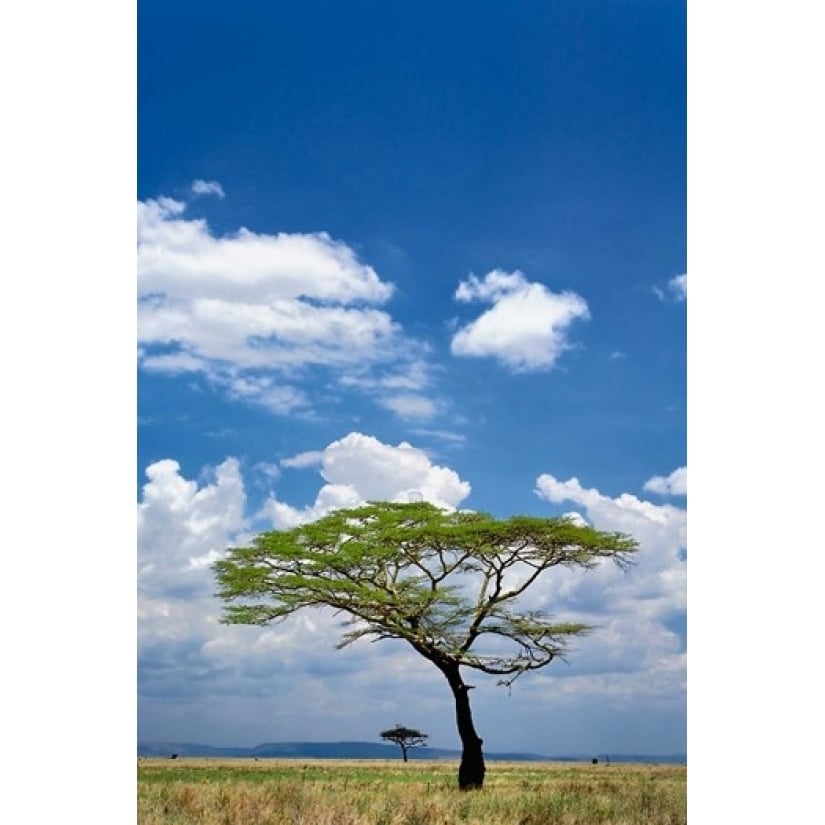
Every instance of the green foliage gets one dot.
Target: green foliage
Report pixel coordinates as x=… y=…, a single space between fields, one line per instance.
x=441 y=581
x=400 y=733
x=405 y=737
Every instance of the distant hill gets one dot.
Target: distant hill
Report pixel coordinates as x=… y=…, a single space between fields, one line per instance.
x=367 y=750
x=313 y=750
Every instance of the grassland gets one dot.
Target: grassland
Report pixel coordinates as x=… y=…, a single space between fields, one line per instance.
x=351 y=792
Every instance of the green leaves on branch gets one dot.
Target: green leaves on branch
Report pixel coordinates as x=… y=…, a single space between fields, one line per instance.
x=409 y=737
x=447 y=583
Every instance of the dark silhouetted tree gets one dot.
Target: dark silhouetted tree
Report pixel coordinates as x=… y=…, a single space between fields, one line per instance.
x=405 y=738
x=447 y=583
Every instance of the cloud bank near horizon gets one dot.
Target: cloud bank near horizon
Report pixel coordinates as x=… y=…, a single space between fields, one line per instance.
x=635 y=657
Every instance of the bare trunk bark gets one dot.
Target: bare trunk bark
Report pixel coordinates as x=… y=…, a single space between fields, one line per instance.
x=471 y=770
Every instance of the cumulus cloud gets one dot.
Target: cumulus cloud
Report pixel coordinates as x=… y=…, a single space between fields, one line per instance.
x=183 y=652
x=202 y=681
x=636 y=611
x=182 y=525
x=208 y=187
x=675 y=290
x=360 y=468
x=181 y=258
x=253 y=311
x=656 y=585
x=526 y=328
x=673 y=485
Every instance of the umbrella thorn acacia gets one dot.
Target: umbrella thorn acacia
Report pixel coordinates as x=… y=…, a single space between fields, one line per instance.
x=405 y=738
x=447 y=583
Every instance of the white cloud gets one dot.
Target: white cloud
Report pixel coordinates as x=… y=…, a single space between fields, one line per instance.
x=173 y=363
x=202 y=681
x=673 y=485
x=526 y=329
x=633 y=611
x=655 y=586
x=180 y=524
x=678 y=286
x=330 y=497
x=310 y=458
x=208 y=187
x=400 y=389
x=410 y=406
x=268 y=469
x=676 y=289
x=264 y=391
x=442 y=435
x=495 y=286
x=381 y=471
x=359 y=468
x=183 y=651
x=414 y=376
x=247 y=309
x=182 y=258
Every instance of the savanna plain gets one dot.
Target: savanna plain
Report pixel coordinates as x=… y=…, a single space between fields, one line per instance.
x=354 y=792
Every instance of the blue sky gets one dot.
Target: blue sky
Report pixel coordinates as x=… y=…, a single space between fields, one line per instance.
x=390 y=250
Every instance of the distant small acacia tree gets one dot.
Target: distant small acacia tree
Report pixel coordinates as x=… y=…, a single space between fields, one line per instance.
x=405 y=738
x=444 y=582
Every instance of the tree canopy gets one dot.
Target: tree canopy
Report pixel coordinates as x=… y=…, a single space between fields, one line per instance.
x=447 y=583
x=405 y=738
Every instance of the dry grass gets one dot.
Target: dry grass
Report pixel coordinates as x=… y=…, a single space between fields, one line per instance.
x=352 y=792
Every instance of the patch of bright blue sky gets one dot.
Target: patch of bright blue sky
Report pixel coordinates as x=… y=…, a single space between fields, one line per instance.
x=438 y=140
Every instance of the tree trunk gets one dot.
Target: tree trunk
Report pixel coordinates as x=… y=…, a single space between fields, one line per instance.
x=471 y=770
x=404 y=752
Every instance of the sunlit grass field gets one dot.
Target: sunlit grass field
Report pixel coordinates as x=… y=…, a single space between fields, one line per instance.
x=354 y=792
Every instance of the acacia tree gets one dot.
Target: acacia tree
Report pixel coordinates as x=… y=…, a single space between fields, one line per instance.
x=445 y=582
x=405 y=738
